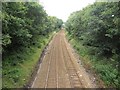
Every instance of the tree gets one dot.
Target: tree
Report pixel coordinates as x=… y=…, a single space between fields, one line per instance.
x=24 y=23
x=97 y=26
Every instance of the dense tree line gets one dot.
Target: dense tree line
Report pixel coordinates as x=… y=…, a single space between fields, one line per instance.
x=26 y=29
x=23 y=23
x=97 y=26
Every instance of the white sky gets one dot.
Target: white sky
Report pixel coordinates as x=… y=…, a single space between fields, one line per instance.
x=63 y=8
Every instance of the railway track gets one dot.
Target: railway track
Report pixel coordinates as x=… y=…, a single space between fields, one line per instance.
x=72 y=72
x=58 y=68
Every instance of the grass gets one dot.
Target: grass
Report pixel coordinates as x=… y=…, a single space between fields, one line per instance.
x=104 y=67
x=19 y=65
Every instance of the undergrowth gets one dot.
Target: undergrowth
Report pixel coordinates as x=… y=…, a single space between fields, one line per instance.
x=105 y=68
x=19 y=65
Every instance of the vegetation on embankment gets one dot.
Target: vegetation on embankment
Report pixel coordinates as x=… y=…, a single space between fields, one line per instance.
x=18 y=72
x=26 y=30
x=94 y=33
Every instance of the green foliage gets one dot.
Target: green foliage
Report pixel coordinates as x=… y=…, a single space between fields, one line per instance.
x=6 y=39
x=24 y=22
x=26 y=28
x=96 y=28
x=105 y=69
x=18 y=65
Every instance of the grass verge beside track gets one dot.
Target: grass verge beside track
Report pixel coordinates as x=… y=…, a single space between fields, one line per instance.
x=19 y=65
